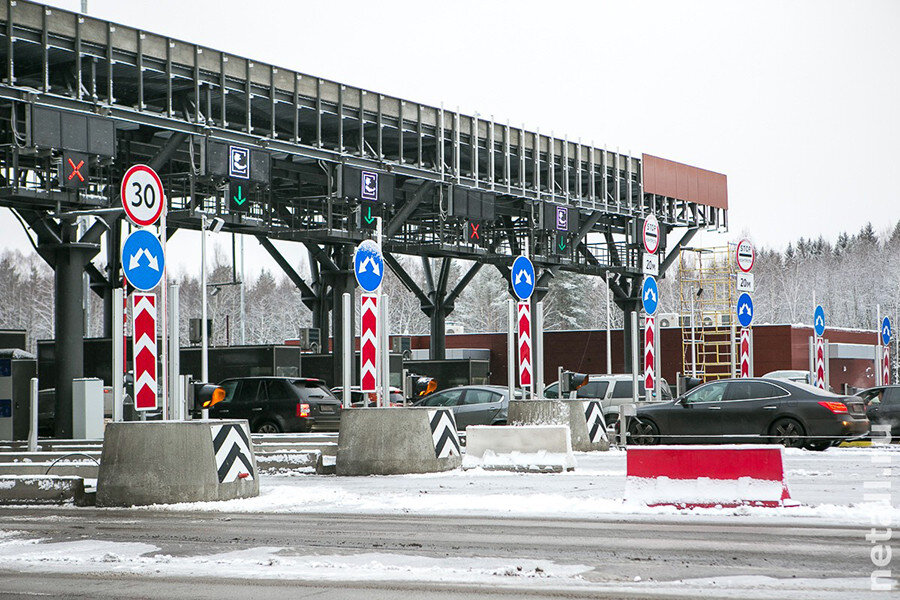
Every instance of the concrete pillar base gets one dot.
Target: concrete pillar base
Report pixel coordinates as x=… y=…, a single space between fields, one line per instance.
x=556 y=412
x=165 y=462
x=396 y=441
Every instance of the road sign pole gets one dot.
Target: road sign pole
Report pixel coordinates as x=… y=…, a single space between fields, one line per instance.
x=878 y=345
x=538 y=342
x=608 y=331
x=635 y=356
x=511 y=348
x=347 y=367
x=118 y=353
x=164 y=318
x=176 y=400
x=657 y=363
x=385 y=352
x=204 y=341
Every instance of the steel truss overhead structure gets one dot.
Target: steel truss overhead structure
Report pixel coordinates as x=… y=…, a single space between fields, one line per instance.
x=171 y=102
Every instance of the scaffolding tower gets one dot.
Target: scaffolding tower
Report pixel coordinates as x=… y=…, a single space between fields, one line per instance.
x=707 y=298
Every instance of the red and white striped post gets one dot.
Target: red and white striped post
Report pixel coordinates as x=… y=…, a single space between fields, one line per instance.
x=746 y=370
x=820 y=362
x=650 y=355
x=525 y=363
x=886 y=365
x=368 y=349
x=143 y=313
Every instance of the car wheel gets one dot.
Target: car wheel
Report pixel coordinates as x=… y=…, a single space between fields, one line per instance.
x=819 y=445
x=788 y=433
x=643 y=433
x=611 y=419
x=499 y=423
x=268 y=427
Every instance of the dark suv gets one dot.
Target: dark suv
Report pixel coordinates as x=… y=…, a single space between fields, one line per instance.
x=279 y=404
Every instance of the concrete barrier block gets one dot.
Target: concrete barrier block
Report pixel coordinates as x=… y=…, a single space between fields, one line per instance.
x=705 y=476
x=540 y=448
x=165 y=462
x=41 y=489
x=397 y=440
x=558 y=412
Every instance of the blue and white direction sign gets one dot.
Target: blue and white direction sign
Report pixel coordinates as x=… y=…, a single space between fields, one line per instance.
x=650 y=295
x=745 y=310
x=819 y=321
x=368 y=265
x=143 y=260
x=523 y=277
x=886 y=331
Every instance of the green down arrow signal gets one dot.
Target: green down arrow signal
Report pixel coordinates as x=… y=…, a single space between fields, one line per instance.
x=369 y=218
x=562 y=245
x=240 y=198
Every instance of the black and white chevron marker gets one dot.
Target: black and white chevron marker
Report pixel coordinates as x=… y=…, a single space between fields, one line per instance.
x=231 y=444
x=443 y=433
x=596 y=425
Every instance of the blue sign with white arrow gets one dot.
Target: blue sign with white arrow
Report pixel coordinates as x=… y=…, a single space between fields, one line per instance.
x=745 y=310
x=650 y=295
x=368 y=265
x=523 y=277
x=886 y=331
x=819 y=321
x=143 y=260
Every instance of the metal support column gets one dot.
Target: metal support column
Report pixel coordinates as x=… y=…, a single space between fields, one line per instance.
x=342 y=282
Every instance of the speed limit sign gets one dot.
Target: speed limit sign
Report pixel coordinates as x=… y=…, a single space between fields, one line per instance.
x=142 y=195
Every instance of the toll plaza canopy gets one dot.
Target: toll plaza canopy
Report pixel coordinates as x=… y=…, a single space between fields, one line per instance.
x=279 y=154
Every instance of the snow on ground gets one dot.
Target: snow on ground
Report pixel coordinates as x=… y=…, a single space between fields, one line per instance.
x=121 y=558
x=825 y=484
x=94 y=556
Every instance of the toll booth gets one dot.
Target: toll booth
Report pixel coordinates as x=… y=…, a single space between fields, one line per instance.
x=13 y=338
x=453 y=372
x=17 y=367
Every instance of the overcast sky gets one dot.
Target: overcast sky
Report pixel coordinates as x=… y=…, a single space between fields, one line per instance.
x=797 y=102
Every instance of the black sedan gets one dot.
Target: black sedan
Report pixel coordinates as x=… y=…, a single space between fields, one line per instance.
x=752 y=411
x=279 y=404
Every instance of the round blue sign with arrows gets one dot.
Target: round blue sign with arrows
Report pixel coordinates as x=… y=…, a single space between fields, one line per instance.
x=886 y=331
x=650 y=295
x=143 y=260
x=745 y=310
x=819 y=321
x=523 y=277
x=368 y=265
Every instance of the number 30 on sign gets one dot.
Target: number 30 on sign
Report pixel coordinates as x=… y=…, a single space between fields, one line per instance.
x=142 y=195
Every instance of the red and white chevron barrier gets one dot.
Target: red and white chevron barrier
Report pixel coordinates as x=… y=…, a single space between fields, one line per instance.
x=143 y=316
x=820 y=362
x=706 y=476
x=649 y=355
x=368 y=343
x=525 y=371
x=745 y=352
x=886 y=365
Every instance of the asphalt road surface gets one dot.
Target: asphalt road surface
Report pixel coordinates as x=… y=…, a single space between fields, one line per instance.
x=671 y=558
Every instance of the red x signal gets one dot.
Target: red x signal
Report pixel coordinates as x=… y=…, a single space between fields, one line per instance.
x=473 y=232
x=76 y=172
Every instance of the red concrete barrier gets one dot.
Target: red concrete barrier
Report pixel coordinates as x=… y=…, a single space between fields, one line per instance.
x=707 y=476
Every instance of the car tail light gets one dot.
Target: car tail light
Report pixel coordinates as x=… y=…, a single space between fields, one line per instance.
x=303 y=410
x=835 y=407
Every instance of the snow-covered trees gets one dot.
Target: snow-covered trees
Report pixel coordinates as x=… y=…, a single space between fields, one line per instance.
x=849 y=279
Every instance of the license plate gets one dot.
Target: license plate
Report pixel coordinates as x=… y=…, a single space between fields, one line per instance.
x=326 y=409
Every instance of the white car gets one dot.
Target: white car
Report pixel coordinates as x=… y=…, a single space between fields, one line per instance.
x=612 y=391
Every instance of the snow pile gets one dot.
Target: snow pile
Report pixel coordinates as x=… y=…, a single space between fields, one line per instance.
x=703 y=491
x=531 y=462
x=274 y=563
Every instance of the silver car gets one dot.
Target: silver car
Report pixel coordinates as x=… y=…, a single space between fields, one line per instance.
x=473 y=404
x=612 y=391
